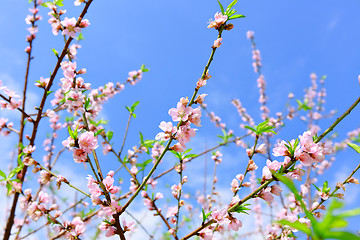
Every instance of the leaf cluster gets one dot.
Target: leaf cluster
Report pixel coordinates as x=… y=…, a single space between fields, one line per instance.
x=263 y=127
x=229 y=11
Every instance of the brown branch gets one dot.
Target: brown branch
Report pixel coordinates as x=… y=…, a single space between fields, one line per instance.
x=22 y=173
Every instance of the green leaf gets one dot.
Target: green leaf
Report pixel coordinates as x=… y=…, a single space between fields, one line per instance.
x=187 y=151
x=2 y=174
x=338 y=223
x=236 y=16
x=349 y=213
x=141 y=138
x=354 y=146
x=59 y=3
x=55 y=52
x=128 y=108
x=340 y=235
x=109 y=135
x=190 y=156
x=71 y=133
x=317 y=188
x=143 y=69
x=242 y=208
x=49 y=92
x=250 y=128
x=9 y=188
x=203 y=214
x=231 y=5
x=98 y=132
x=69 y=119
x=15 y=171
x=80 y=37
x=46 y=4
x=134 y=115
x=134 y=106
x=297 y=225
x=87 y=103
x=221 y=7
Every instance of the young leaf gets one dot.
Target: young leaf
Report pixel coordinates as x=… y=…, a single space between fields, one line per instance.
x=55 y=52
x=59 y=3
x=297 y=225
x=203 y=214
x=98 y=132
x=190 y=156
x=231 y=5
x=80 y=37
x=250 y=128
x=354 y=146
x=317 y=187
x=141 y=138
x=134 y=105
x=242 y=209
x=2 y=174
x=143 y=69
x=340 y=235
x=236 y=16
x=221 y=7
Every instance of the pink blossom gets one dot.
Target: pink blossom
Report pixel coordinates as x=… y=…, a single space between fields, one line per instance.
x=273 y=165
x=234 y=224
x=78 y=2
x=178 y=147
x=195 y=117
x=79 y=155
x=109 y=230
x=220 y=19
x=29 y=149
x=240 y=177
x=69 y=142
x=250 y=34
x=106 y=149
x=172 y=211
x=84 y=23
x=112 y=209
x=184 y=133
x=234 y=185
x=276 y=190
x=43 y=82
x=45 y=177
x=200 y=98
x=168 y=129
x=281 y=149
x=180 y=113
x=88 y=142
x=128 y=226
x=70 y=28
x=158 y=196
x=217 y=43
x=206 y=234
x=261 y=149
x=296 y=174
x=220 y=216
x=93 y=187
x=266 y=195
x=108 y=182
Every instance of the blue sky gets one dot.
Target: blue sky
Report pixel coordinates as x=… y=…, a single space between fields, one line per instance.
x=171 y=39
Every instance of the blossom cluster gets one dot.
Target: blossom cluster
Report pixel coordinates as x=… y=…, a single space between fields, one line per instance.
x=12 y=101
x=185 y=115
x=220 y=19
x=82 y=146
